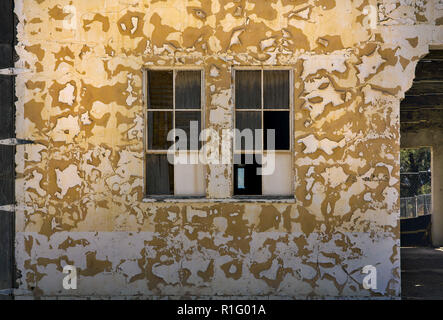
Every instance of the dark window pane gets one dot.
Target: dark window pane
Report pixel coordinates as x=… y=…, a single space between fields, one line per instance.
x=188 y=90
x=159 y=124
x=276 y=89
x=7 y=237
x=248 y=89
x=159 y=175
x=278 y=120
x=7 y=121
x=160 y=90
x=183 y=121
x=248 y=120
x=7 y=174
x=246 y=179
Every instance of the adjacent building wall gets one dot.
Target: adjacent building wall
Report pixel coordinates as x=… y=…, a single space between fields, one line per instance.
x=80 y=186
x=7 y=151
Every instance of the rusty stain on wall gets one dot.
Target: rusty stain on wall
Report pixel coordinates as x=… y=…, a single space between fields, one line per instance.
x=80 y=187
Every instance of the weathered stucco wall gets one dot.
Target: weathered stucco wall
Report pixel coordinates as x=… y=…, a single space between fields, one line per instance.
x=80 y=186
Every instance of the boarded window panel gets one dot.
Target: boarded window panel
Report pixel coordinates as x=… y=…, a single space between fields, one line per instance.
x=279 y=121
x=246 y=179
x=188 y=90
x=248 y=89
x=189 y=179
x=248 y=120
x=278 y=182
x=159 y=175
x=160 y=90
x=159 y=124
x=183 y=121
x=276 y=89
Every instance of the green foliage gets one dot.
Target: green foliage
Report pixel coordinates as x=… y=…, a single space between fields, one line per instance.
x=415 y=171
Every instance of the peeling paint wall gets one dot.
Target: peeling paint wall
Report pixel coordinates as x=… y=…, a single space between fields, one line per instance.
x=80 y=186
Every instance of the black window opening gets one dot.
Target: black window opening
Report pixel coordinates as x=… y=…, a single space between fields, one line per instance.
x=174 y=106
x=263 y=105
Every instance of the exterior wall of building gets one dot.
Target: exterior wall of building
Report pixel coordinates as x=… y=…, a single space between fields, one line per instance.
x=80 y=186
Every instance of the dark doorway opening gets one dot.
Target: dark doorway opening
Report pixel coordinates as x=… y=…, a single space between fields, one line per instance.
x=421 y=125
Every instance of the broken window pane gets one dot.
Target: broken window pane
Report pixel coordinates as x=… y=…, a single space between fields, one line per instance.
x=159 y=124
x=188 y=90
x=248 y=89
x=183 y=120
x=159 y=175
x=160 y=89
x=246 y=179
x=276 y=89
x=279 y=121
x=275 y=95
x=248 y=138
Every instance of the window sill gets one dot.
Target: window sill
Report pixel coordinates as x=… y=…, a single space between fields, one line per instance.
x=276 y=199
x=173 y=199
x=235 y=199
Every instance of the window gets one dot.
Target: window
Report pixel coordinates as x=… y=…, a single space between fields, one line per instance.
x=262 y=141
x=174 y=108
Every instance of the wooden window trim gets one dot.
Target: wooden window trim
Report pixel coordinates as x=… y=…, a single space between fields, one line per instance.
x=146 y=151
x=291 y=128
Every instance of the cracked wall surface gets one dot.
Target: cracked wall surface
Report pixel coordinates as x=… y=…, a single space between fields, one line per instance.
x=80 y=187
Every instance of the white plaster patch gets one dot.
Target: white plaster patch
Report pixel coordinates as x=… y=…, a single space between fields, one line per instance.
x=271 y=273
x=330 y=63
x=369 y=65
x=34 y=183
x=235 y=37
x=67 y=179
x=391 y=197
x=66 y=95
x=334 y=176
x=214 y=72
x=368 y=197
x=85 y=118
x=328 y=96
x=190 y=213
x=303 y=13
x=66 y=129
x=312 y=144
x=33 y=152
x=264 y=44
x=134 y=21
